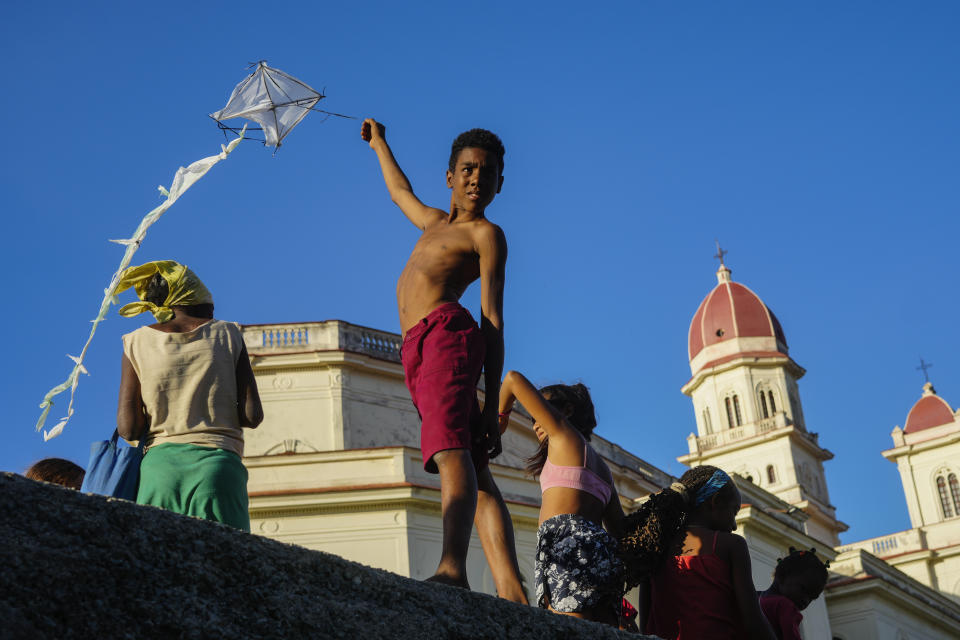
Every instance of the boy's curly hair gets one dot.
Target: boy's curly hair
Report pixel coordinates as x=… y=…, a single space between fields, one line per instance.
x=800 y=561
x=478 y=139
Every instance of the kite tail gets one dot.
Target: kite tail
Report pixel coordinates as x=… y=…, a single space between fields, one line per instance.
x=182 y=180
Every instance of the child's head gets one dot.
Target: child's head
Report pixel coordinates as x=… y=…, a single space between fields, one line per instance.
x=57 y=471
x=477 y=139
x=653 y=533
x=714 y=498
x=573 y=403
x=475 y=170
x=163 y=286
x=801 y=577
x=158 y=290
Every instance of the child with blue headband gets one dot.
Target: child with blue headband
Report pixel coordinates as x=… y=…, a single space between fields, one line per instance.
x=707 y=591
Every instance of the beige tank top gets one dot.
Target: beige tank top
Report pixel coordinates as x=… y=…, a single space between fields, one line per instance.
x=188 y=382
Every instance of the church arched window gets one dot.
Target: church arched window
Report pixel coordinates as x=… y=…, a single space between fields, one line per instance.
x=707 y=425
x=771 y=474
x=773 y=406
x=954 y=492
x=763 y=404
x=734 y=418
x=944 y=498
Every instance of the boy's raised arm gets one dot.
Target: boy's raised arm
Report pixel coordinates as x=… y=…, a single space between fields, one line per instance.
x=397 y=184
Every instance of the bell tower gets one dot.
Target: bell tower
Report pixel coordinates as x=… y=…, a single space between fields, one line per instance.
x=747 y=404
x=927 y=453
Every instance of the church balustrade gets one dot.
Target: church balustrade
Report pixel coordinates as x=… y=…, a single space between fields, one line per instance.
x=379 y=344
x=265 y=339
x=749 y=430
x=901 y=542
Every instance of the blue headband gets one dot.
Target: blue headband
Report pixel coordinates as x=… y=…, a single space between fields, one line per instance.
x=717 y=481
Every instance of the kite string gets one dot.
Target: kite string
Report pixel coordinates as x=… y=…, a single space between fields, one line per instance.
x=184 y=178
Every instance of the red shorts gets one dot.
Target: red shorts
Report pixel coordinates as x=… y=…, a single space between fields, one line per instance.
x=442 y=358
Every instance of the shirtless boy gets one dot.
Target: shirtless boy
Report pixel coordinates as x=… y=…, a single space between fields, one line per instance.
x=444 y=350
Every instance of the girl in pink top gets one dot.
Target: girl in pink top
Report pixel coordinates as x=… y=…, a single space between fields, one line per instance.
x=798 y=580
x=578 y=571
x=707 y=591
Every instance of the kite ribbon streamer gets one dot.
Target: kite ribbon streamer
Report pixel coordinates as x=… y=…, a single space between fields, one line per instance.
x=183 y=180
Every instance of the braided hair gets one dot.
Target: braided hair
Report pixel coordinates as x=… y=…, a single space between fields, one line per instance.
x=650 y=534
x=800 y=561
x=696 y=477
x=574 y=403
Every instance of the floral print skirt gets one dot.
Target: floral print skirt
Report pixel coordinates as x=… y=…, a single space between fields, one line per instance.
x=577 y=565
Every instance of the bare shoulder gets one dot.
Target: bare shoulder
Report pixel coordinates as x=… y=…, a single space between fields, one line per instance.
x=487 y=235
x=433 y=216
x=732 y=546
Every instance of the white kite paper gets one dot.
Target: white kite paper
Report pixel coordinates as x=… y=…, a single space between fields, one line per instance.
x=275 y=100
x=183 y=180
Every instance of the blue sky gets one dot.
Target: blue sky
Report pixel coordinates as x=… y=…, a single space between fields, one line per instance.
x=818 y=141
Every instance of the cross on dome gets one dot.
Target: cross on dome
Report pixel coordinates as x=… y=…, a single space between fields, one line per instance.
x=720 y=252
x=723 y=273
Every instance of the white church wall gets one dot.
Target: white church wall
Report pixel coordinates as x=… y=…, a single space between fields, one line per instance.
x=882 y=617
x=302 y=408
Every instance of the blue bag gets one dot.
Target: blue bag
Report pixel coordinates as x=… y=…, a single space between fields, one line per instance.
x=114 y=468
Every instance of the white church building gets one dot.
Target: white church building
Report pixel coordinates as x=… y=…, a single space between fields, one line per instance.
x=336 y=467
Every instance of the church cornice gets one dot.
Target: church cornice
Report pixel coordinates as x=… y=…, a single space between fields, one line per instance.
x=914 y=448
x=266 y=505
x=755 y=520
x=758 y=359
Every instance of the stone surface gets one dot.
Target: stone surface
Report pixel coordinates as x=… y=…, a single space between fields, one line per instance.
x=83 y=566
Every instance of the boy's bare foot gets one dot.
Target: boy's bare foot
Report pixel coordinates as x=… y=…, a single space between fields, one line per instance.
x=449 y=580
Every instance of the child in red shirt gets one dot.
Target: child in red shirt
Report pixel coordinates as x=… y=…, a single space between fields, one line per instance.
x=798 y=580
x=706 y=591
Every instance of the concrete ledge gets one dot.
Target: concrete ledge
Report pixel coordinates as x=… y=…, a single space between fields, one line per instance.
x=83 y=566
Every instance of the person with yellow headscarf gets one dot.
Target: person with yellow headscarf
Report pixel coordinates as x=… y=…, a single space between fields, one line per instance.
x=186 y=390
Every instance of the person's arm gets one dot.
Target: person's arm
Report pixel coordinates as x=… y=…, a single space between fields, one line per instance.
x=748 y=605
x=397 y=184
x=613 y=514
x=643 y=604
x=248 y=398
x=516 y=387
x=492 y=249
x=131 y=419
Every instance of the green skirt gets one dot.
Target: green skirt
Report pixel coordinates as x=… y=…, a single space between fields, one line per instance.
x=202 y=482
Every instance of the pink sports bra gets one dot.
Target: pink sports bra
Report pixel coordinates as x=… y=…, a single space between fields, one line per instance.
x=581 y=478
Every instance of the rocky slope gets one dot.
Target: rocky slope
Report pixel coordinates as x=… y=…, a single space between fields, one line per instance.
x=83 y=566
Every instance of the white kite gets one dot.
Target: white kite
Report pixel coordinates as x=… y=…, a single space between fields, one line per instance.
x=270 y=97
x=183 y=180
x=273 y=99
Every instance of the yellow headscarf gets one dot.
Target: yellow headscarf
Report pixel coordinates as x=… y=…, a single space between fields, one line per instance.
x=185 y=288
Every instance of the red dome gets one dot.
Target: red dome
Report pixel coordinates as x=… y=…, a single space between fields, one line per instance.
x=730 y=311
x=930 y=411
